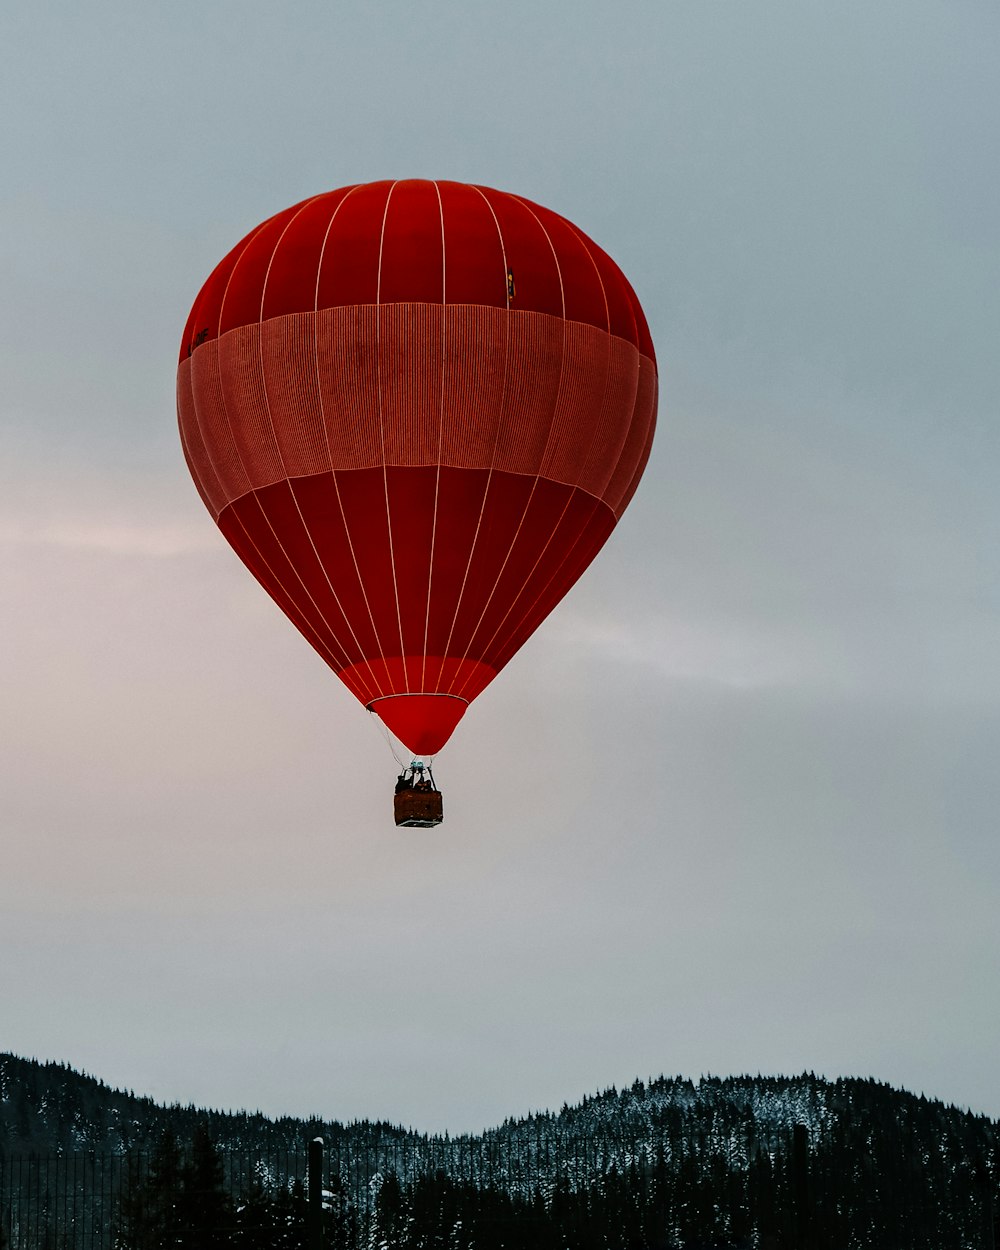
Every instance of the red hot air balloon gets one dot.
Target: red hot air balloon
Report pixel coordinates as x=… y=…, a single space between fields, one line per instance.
x=416 y=410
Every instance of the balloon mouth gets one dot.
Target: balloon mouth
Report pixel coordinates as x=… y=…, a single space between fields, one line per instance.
x=422 y=722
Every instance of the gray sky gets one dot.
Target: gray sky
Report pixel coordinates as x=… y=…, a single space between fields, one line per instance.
x=734 y=808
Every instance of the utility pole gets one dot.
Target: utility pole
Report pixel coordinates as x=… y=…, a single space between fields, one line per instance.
x=314 y=1211
x=800 y=1185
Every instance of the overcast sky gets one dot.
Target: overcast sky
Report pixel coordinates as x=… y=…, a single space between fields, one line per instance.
x=734 y=808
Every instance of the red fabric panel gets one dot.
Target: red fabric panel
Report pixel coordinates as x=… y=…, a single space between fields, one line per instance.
x=199 y=462
x=535 y=526
x=582 y=287
x=533 y=586
x=617 y=293
x=583 y=383
x=321 y=548
x=460 y=502
x=645 y=341
x=329 y=249
x=533 y=607
x=320 y=503
x=347 y=364
x=411 y=495
x=410 y=364
x=474 y=387
x=244 y=293
x=350 y=269
x=203 y=320
x=648 y=380
x=422 y=722
x=625 y=312
x=412 y=263
x=496 y=528
x=264 y=557
x=290 y=392
x=469 y=673
x=530 y=256
x=280 y=519
x=533 y=365
x=475 y=268
x=362 y=497
x=410 y=384
x=290 y=285
x=251 y=534
x=640 y=436
x=611 y=424
x=241 y=373
x=213 y=421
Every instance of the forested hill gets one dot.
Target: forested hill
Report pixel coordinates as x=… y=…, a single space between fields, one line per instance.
x=50 y=1108
x=737 y=1162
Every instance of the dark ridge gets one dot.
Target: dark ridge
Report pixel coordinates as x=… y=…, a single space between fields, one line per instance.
x=721 y=1163
x=51 y=1108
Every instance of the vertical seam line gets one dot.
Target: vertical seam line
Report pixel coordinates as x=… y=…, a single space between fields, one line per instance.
x=437 y=474
x=381 y=425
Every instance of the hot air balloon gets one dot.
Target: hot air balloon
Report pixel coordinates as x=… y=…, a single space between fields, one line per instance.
x=416 y=410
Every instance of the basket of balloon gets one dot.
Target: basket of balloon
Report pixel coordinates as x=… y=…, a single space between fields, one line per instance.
x=418 y=808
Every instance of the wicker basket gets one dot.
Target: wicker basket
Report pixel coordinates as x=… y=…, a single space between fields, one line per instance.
x=418 y=809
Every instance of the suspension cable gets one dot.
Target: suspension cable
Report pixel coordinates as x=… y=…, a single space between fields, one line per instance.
x=388 y=738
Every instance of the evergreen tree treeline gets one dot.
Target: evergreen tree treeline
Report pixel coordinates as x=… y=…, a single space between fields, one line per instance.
x=739 y=1162
x=181 y=1198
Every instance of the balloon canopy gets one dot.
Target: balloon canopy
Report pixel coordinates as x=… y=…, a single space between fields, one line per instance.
x=416 y=410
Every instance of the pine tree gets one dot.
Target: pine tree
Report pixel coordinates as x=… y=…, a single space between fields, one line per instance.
x=290 y=1209
x=148 y=1214
x=205 y=1208
x=339 y=1220
x=257 y=1219
x=390 y=1215
x=133 y=1213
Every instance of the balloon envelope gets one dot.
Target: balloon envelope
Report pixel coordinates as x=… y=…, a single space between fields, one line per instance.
x=416 y=410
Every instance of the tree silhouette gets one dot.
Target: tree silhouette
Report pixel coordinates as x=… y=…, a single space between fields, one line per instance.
x=205 y=1208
